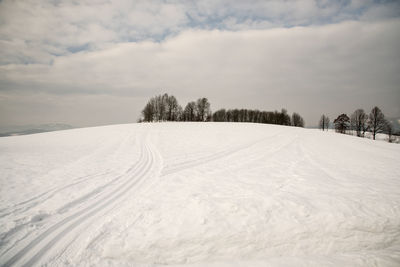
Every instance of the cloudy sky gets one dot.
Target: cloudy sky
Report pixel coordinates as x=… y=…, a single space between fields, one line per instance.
x=97 y=62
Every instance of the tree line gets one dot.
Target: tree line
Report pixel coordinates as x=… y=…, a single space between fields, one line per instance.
x=162 y=107
x=257 y=116
x=360 y=123
x=166 y=108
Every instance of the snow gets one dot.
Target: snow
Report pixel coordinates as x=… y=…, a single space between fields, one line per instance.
x=198 y=194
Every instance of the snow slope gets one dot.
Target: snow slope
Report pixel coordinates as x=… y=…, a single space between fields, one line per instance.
x=199 y=194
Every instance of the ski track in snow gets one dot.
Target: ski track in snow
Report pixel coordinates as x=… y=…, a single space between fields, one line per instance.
x=27 y=205
x=291 y=160
x=21 y=207
x=203 y=160
x=41 y=244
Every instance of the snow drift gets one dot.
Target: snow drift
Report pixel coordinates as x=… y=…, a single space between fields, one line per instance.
x=199 y=194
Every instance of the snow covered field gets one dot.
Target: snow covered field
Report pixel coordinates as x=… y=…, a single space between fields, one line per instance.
x=199 y=194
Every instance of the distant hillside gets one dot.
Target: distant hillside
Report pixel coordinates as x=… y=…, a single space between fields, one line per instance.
x=32 y=129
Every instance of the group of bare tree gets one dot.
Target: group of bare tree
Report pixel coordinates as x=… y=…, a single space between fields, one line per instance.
x=162 y=108
x=166 y=108
x=197 y=111
x=360 y=123
x=249 y=115
x=324 y=122
x=297 y=120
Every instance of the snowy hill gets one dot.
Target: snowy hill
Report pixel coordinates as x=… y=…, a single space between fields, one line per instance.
x=199 y=194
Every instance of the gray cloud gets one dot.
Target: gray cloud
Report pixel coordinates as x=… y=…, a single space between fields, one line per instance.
x=35 y=33
x=89 y=64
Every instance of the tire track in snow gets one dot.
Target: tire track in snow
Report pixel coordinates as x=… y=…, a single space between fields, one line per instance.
x=40 y=245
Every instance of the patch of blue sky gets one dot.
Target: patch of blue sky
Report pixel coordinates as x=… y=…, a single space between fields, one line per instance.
x=78 y=48
x=17 y=59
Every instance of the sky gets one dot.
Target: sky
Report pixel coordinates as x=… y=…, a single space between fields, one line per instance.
x=87 y=63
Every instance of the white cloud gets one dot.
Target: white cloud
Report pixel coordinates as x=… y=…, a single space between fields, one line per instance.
x=59 y=28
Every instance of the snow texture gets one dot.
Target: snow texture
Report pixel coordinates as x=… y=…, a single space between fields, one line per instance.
x=198 y=194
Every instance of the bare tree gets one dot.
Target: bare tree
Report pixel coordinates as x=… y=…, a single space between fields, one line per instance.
x=179 y=113
x=162 y=108
x=389 y=131
x=235 y=115
x=324 y=122
x=327 y=121
x=342 y=123
x=359 y=122
x=173 y=108
x=297 y=120
x=376 y=121
x=148 y=111
x=219 y=115
x=203 y=109
x=190 y=112
x=282 y=118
